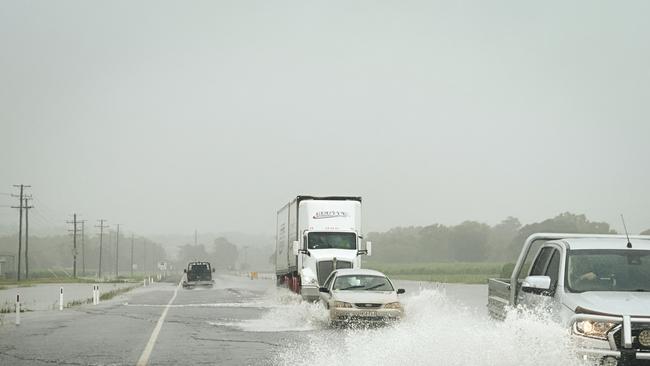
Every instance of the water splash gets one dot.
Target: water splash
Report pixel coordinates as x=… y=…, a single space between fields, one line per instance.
x=439 y=331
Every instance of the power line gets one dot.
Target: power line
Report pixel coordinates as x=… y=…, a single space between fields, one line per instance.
x=101 y=227
x=74 y=223
x=20 y=224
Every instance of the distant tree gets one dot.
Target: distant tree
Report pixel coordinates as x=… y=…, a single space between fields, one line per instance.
x=562 y=223
x=224 y=254
x=192 y=253
x=468 y=241
x=501 y=235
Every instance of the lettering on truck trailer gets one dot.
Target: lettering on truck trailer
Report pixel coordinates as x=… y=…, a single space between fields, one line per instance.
x=329 y=214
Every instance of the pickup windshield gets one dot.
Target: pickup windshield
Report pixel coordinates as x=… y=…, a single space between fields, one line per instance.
x=362 y=283
x=332 y=240
x=608 y=270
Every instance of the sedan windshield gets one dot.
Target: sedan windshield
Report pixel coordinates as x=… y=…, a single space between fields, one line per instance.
x=608 y=270
x=332 y=240
x=362 y=282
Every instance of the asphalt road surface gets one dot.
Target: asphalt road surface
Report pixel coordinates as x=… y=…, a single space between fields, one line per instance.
x=238 y=322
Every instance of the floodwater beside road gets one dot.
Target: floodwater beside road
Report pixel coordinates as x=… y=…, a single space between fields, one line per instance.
x=46 y=296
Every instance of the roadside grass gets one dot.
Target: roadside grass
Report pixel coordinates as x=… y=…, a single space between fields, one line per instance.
x=111 y=294
x=5 y=283
x=470 y=273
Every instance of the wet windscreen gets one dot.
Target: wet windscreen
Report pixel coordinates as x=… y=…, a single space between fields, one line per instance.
x=608 y=270
x=332 y=240
x=362 y=282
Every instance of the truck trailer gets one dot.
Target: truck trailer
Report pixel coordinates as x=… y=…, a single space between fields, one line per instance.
x=314 y=236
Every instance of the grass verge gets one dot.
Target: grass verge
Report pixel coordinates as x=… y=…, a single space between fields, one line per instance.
x=470 y=273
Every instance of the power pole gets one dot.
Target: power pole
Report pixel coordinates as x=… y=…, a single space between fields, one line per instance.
x=117 y=252
x=144 y=257
x=131 y=254
x=195 y=236
x=74 y=223
x=20 y=225
x=27 y=207
x=83 y=247
x=101 y=227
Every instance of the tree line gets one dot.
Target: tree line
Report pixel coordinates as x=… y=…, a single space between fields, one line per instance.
x=473 y=241
x=55 y=253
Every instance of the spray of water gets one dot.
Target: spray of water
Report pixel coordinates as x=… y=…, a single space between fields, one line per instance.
x=436 y=331
x=287 y=313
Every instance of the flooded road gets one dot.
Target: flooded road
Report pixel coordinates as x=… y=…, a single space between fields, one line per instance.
x=250 y=322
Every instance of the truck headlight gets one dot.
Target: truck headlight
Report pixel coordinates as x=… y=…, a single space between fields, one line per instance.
x=342 y=304
x=593 y=329
x=393 y=305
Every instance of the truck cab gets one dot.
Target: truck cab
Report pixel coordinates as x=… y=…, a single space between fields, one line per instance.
x=596 y=285
x=198 y=274
x=315 y=236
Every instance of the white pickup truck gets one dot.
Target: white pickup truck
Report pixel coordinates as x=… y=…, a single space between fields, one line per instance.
x=596 y=285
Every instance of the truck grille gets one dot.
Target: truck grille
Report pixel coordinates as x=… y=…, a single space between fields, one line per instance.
x=324 y=269
x=635 y=339
x=367 y=306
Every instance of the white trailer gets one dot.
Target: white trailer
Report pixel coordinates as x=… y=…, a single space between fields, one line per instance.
x=314 y=236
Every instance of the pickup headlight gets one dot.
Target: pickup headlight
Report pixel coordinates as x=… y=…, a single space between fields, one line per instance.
x=341 y=304
x=593 y=329
x=393 y=305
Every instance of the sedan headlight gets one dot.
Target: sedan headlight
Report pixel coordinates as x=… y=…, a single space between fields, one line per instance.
x=393 y=305
x=341 y=304
x=593 y=329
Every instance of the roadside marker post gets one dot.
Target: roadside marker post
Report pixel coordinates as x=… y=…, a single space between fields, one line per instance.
x=61 y=300
x=144 y=282
x=97 y=294
x=17 y=308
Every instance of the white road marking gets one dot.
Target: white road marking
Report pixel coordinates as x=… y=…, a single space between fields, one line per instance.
x=144 y=358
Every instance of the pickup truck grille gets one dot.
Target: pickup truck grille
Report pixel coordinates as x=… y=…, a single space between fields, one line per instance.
x=324 y=269
x=635 y=339
x=367 y=306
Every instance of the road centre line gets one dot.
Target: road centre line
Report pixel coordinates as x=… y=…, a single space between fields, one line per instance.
x=144 y=358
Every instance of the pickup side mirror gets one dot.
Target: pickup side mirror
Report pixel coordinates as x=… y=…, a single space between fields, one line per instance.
x=213 y=270
x=324 y=289
x=184 y=270
x=536 y=284
x=400 y=291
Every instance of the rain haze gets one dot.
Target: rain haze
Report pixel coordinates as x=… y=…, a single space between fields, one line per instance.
x=171 y=116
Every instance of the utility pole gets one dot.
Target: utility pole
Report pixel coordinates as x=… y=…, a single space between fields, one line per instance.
x=27 y=207
x=195 y=236
x=83 y=247
x=74 y=223
x=101 y=227
x=20 y=225
x=131 y=254
x=144 y=257
x=117 y=252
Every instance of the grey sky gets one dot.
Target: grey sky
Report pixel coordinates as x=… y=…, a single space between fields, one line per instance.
x=170 y=116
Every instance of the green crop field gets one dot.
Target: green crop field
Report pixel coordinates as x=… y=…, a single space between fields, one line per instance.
x=441 y=272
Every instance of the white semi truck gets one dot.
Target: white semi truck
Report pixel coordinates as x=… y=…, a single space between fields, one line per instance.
x=316 y=235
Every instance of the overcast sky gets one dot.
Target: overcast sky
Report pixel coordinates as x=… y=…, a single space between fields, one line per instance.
x=171 y=116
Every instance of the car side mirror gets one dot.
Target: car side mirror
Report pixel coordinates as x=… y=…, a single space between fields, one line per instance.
x=184 y=270
x=536 y=284
x=400 y=291
x=324 y=289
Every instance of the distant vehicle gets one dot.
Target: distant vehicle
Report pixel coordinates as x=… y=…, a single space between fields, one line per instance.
x=361 y=295
x=596 y=285
x=316 y=235
x=198 y=274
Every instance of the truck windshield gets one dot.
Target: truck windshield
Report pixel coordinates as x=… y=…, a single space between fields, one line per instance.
x=332 y=240
x=362 y=282
x=608 y=270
